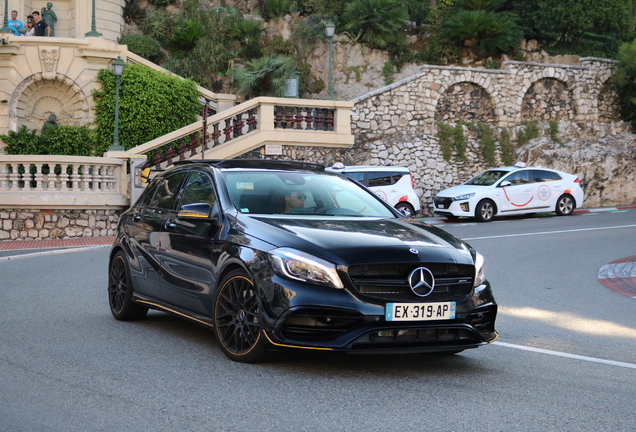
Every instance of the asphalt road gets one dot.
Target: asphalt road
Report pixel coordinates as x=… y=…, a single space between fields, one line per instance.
x=565 y=360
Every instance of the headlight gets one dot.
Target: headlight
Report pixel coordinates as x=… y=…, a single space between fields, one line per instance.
x=294 y=264
x=464 y=197
x=480 y=270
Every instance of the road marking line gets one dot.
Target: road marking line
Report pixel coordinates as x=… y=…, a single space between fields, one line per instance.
x=550 y=232
x=562 y=354
x=54 y=252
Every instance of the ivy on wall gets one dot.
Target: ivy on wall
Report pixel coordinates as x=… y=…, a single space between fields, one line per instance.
x=151 y=104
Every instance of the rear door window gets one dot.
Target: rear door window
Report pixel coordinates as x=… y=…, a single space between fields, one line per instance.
x=380 y=179
x=544 y=176
x=167 y=191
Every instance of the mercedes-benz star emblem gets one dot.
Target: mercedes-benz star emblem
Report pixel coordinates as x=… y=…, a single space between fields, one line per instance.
x=421 y=281
x=414 y=251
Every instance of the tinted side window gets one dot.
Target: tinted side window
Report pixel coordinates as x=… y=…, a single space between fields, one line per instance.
x=519 y=177
x=167 y=191
x=396 y=176
x=357 y=176
x=147 y=194
x=544 y=176
x=379 y=179
x=199 y=189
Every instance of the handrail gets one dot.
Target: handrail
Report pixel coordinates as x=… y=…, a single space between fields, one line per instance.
x=249 y=125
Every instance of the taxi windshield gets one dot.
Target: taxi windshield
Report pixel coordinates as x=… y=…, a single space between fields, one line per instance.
x=487 y=178
x=300 y=193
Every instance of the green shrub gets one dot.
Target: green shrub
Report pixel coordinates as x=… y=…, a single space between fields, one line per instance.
x=554 y=132
x=506 y=147
x=452 y=139
x=491 y=64
x=63 y=140
x=487 y=144
x=381 y=22
x=142 y=45
x=24 y=141
x=277 y=8
x=159 y=25
x=151 y=104
x=460 y=141
x=530 y=131
x=387 y=72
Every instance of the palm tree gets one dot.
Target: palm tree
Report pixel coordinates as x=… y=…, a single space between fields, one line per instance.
x=484 y=32
x=248 y=34
x=266 y=76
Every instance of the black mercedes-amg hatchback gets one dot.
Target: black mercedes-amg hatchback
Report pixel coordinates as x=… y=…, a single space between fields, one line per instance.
x=278 y=254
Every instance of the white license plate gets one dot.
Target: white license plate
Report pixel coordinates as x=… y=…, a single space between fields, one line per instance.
x=440 y=205
x=420 y=311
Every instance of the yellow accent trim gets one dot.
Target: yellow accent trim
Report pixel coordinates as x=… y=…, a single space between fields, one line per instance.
x=174 y=312
x=496 y=337
x=296 y=346
x=192 y=214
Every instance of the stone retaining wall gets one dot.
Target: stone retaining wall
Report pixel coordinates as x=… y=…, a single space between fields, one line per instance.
x=505 y=98
x=23 y=224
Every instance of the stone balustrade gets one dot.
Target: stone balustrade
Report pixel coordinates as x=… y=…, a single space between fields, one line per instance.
x=50 y=181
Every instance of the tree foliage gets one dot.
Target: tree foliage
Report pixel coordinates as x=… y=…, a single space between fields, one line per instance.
x=625 y=78
x=553 y=20
x=380 y=22
x=151 y=104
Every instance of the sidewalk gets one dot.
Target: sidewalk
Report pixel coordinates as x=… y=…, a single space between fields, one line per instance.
x=60 y=243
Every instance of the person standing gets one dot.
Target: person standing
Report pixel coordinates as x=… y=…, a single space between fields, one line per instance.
x=49 y=17
x=15 y=25
x=30 y=30
x=41 y=27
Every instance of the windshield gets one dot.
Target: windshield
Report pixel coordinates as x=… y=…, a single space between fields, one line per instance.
x=281 y=192
x=487 y=178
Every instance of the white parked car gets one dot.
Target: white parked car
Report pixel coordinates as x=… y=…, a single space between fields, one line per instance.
x=510 y=191
x=394 y=184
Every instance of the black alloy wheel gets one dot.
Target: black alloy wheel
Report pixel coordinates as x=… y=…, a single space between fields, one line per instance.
x=237 y=320
x=120 y=291
x=565 y=205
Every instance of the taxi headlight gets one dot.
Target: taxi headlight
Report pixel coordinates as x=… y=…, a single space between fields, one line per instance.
x=480 y=270
x=464 y=197
x=294 y=264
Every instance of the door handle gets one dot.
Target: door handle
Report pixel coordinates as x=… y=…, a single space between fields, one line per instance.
x=170 y=224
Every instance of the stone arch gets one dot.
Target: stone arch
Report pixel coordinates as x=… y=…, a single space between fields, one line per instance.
x=465 y=101
x=609 y=108
x=548 y=99
x=36 y=98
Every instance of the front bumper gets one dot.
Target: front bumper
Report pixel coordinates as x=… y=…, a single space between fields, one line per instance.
x=447 y=207
x=339 y=320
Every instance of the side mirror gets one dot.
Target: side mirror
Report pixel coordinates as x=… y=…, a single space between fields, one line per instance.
x=198 y=211
x=504 y=183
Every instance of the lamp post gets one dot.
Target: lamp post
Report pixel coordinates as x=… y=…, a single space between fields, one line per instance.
x=5 y=23
x=93 y=32
x=118 y=70
x=329 y=31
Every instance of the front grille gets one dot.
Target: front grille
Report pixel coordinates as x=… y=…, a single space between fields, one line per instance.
x=445 y=202
x=413 y=338
x=389 y=282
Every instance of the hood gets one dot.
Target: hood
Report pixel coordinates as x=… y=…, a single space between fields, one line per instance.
x=348 y=241
x=460 y=190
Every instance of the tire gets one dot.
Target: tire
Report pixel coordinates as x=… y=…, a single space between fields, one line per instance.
x=564 y=205
x=237 y=320
x=451 y=217
x=485 y=211
x=120 y=291
x=405 y=207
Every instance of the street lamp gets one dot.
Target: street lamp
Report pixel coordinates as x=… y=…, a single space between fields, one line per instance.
x=5 y=24
x=118 y=70
x=329 y=31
